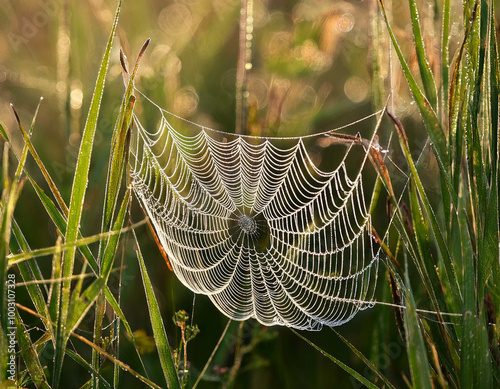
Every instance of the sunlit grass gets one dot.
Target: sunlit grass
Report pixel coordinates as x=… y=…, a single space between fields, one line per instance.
x=442 y=249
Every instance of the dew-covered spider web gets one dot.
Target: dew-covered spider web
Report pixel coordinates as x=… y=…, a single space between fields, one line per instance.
x=255 y=224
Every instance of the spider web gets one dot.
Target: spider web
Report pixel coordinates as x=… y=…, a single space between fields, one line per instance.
x=254 y=224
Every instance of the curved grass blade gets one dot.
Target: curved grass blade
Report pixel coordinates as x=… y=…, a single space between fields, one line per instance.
x=489 y=245
x=366 y=361
x=45 y=172
x=87 y=366
x=60 y=222
x=160 y=335
x=79 y=306
x=443 y=249
x=29 y=355
x=124 y=366
x=117 y=163
x=417 y=353
x=423 y=63
x=10 y=195
x=76 y=202
x=340 y=364
x=29 y=271
x=212 y=354
x=16 y=259
x=431 y=122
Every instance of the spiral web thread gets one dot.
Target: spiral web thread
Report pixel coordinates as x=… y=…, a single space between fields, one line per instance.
x=255 y=225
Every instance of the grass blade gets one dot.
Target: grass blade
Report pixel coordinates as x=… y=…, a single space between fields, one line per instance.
x=366 y=361
x=45 y=172
x=490 y=242
x=417 y=353
x=61 y=223
x=339 y=363
x=445 y=54
x=29 y=355
x=76 y=202
x=87 y=366
x=10 y=194
x=431 y=122
x=84 y=156
x=476 y=369
x=120 y=139
x=445 y=253
x=423 y=64
x=16 y=259
x=81 y=305
x=114 y=360
x=160 y=335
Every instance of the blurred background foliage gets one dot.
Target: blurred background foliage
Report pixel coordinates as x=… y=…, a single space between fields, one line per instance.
x=315 y=65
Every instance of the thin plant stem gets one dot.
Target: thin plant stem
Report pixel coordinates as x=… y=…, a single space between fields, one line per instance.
x=238 y=358
x=244 y=55
x=213 y=354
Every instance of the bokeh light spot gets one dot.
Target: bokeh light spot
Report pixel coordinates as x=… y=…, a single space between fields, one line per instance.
x=356 y=89
x=186 y=101
x=345 y=22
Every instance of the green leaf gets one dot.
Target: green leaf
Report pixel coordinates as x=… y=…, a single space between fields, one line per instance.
x=8 y=202
x=431 y=122
x=112 y=243
x=339 y=363
x=4 y=133
x=160 y=335
x=29 y=271
x=449 y=265
x=30 y=355
x=476 y=368
x=17 y=258
x=80 y=306
x=415 y=346
x=87 y=366
x=365 y=360
x=445 y=53
x=55 y=288
x=425 y=70
x=489 y=244
x=117 y=162
x=76 y=202
x=61 y=223
x=120 y=140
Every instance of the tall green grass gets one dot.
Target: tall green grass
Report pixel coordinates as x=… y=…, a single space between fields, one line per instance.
x=452 y=242
x=65 y=304
x=442 y=253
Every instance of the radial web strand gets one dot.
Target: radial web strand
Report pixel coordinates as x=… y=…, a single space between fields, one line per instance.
x=254 y=224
